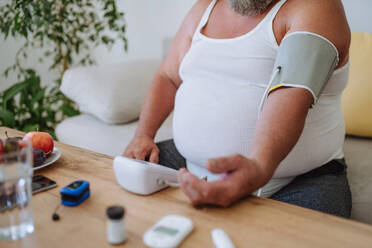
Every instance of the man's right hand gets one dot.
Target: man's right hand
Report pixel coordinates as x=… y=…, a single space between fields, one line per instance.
x=142 y=148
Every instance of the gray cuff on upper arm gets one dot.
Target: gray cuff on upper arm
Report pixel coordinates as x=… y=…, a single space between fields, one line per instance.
x=305 y=60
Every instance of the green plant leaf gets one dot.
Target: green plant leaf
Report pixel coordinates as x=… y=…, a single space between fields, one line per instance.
x=7 y=118
x=12 y=91
x=31 y=127
x=39 y=96
x=68 y=110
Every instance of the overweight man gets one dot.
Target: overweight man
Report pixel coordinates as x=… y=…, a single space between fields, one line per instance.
x=255 y=86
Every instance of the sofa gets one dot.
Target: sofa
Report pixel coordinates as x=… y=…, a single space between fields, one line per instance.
x=103 y=126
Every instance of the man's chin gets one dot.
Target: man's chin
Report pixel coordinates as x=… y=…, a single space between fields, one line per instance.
x=249 y=7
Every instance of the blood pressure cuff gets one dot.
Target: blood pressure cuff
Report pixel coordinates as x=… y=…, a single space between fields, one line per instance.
x=305 y=60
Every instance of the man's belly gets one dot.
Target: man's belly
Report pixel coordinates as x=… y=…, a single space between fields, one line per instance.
x=212 y=120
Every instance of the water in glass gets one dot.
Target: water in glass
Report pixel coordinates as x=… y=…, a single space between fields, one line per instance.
x=15 y=194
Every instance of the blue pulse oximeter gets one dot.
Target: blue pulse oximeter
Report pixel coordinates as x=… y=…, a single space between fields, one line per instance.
x=75 y=193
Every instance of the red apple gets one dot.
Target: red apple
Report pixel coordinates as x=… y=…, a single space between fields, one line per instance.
x=40 y=140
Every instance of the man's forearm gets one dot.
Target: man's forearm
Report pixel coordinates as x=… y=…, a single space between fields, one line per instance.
x=280 y=126
x=157 y=106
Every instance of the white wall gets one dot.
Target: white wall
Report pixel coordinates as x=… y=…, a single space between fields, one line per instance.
x=150 y=22
x=359 y=14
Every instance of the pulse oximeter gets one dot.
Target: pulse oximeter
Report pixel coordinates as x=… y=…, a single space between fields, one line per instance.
x=75 y=193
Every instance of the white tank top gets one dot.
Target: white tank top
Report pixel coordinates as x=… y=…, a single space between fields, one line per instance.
x=216 y=106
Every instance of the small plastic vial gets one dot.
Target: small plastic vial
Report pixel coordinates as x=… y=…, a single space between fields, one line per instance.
x=115 y=225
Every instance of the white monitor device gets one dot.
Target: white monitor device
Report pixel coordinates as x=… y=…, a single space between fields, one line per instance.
x=168 y=232
x=142 y=177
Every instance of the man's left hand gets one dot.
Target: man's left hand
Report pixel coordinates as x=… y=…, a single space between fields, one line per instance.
x=242 y=176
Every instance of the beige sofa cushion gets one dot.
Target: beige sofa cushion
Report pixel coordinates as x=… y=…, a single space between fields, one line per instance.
x=112 y=93
x=357 y=100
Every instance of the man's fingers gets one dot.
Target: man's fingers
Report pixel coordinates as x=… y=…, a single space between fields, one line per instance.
x=128 y=154
x=217 y=165
x=140 y=154
x=202 y=192
x=154 y=156
x=225 y=164
x=192 y=187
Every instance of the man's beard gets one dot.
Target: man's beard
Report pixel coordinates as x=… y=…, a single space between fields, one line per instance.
x=249 y=7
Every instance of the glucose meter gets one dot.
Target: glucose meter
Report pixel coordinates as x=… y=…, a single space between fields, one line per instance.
x=168 y=232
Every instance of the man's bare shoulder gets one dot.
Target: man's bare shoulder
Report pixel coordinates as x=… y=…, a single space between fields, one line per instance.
x=326 y=18
x=182 y=41
x=203 y=3
x=195 y=14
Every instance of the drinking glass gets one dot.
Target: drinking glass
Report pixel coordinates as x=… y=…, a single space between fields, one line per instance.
x=15 y=192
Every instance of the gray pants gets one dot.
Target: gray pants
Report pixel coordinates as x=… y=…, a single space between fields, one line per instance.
x=324 y=189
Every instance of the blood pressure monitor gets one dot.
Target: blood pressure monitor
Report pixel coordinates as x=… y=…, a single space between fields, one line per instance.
x=141 y=177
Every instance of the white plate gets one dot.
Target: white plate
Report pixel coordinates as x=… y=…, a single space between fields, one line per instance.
x=53 y=157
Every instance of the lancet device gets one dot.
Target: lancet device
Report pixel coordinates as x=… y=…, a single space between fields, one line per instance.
x=141 y=177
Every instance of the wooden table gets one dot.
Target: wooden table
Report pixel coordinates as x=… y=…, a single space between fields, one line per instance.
x=253 y=222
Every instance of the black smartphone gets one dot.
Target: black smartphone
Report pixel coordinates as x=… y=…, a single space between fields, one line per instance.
x=41 y=183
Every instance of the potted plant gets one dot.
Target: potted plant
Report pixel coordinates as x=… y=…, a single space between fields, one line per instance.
x=64 y=33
